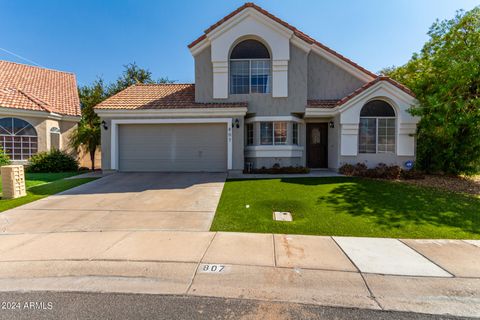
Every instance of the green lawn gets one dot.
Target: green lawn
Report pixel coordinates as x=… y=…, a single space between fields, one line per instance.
x=41 y=185
x=347 y=207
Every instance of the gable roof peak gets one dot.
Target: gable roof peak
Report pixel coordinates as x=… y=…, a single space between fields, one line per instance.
x=299 y=34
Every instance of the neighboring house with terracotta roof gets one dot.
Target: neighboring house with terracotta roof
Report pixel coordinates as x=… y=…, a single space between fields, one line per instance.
x=265 y=93
x=39 y=108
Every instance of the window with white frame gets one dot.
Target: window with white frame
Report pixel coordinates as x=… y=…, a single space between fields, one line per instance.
x=18 y=138
x=377 y=128
x=54 y=138
x=273 y=133
x=295 y=133
x=250 y=136
x=250 y=68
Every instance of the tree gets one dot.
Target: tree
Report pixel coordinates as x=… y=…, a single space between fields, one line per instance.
x=445 y=77
x=133 y=74
x=86 y=136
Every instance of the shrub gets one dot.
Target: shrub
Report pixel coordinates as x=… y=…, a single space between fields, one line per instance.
x=52 y=161
x=412 y=174
x=4 y=158
x=347 y=169
x=393 y=172
x=360 y=169
x=381 y=171
x=276 y=169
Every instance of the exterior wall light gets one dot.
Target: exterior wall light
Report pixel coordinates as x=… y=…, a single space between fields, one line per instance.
x=331 y=124
x=104 y=125
x=236 y=123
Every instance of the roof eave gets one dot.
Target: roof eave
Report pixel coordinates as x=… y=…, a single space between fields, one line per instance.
x=178 y=112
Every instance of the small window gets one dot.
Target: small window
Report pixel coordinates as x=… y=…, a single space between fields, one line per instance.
x=250 y=134
x=266 y=133
x=280 y=132
x=295 y=133
x=273 y=133
x=54 y=138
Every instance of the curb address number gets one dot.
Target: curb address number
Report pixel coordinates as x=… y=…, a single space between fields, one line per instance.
x=212 y=268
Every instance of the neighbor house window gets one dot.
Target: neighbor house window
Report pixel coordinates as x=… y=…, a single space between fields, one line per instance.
x=54 y=138
x=273 y=133
x=295 y=133
x=377 y=128
x=249 y=134
x=250 y=68
x=18 y=138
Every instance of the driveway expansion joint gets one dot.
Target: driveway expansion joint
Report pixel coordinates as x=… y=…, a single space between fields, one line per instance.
x=200 y=261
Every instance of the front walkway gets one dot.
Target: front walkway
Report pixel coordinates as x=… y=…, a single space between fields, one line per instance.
x=427 y=276
x=315 y=173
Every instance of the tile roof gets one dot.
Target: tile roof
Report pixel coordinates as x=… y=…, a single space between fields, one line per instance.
x=297 y=32
x=159 y=96
x=334 y=103
x=322 y=103
x=38 y=89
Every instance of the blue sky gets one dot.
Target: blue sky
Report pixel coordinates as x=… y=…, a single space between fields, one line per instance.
x=96 y=38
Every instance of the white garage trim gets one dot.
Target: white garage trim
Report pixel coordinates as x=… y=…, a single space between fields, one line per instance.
x=114 y=133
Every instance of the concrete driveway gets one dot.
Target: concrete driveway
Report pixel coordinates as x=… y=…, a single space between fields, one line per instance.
x=124 y=201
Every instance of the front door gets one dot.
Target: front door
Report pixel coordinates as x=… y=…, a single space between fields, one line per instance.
x=317 y=145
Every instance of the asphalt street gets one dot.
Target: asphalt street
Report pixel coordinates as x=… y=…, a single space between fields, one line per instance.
x=68 y=305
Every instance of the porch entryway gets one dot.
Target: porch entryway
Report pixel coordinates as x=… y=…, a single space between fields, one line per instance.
x=317 y=145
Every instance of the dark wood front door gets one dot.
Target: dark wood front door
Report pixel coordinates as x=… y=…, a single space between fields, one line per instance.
x=317 y=145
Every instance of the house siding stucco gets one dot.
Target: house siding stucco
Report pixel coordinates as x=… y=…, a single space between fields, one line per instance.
x=260 y=104
x=328 y=81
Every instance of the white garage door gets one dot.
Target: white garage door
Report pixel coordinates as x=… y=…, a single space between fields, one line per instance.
x=172 y=147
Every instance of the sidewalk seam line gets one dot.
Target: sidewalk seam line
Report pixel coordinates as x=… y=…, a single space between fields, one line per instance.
x=370 y=292
x=109 y=210
x=199 y=263
x=111 y=246
x=228 y=264
x=101 y=230
x=372 y=296
x=274 y=252
x=37 y=236
x=427 y=258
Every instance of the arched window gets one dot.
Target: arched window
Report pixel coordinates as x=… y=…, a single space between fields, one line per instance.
x=250 y=68
x=377 y=128
x=54 y=138
x=18 y=138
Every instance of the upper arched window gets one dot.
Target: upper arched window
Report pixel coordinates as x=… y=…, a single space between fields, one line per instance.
x=250 y=68
x=377 y=128
x=18 y=138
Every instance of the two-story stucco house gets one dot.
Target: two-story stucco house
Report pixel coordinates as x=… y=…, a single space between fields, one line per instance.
x=264 y=94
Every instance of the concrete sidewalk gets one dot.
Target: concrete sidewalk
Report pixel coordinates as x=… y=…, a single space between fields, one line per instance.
x=427 y=276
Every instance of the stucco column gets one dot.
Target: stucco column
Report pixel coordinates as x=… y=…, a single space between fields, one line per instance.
x=220 y=79
x=406 y=139
x=279 y=78
x=349 y=139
